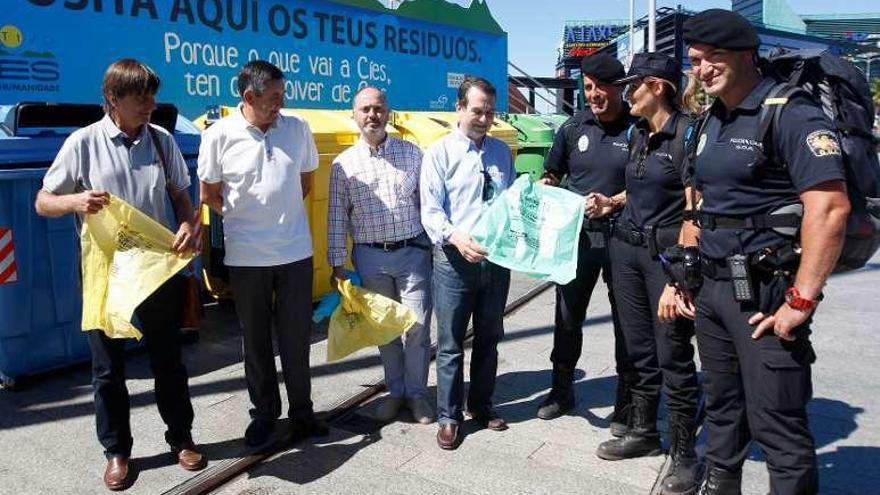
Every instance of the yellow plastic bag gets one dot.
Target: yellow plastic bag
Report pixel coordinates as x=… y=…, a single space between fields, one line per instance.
x=126 y=256
x=363 y=319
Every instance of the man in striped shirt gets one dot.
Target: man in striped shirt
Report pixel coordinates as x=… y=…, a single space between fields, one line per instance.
x=374 y=197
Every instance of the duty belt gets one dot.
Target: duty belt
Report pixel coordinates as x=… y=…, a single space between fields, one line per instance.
x=757 y=222
x=634 y=237
x=395 y=245
x=597 y=225
x=716 y=269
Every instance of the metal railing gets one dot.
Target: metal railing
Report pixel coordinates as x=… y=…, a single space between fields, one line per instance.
x=537 y=84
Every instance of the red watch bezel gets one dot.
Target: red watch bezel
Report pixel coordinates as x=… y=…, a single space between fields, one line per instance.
x=795 y=301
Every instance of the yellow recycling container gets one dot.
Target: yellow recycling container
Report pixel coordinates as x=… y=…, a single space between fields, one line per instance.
x=418 y=129
x=334 y=131
x=500 y=129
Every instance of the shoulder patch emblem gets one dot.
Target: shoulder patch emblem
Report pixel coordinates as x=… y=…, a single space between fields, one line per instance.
x=702 y=143
x=583 y=143
x=823 y=143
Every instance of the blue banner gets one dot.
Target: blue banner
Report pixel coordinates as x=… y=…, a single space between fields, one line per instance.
x=57 y=50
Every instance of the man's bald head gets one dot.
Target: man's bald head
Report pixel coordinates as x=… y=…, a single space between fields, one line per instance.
x=370 y=112
x=371 y=92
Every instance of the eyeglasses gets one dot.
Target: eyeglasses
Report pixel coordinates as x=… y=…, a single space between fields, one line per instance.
x=488 y=189
x=631 y=88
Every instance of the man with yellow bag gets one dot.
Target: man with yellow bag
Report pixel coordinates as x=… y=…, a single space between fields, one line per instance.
x=391 y=250
x=122 y=154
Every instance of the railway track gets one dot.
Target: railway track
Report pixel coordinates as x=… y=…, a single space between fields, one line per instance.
x=221 y=472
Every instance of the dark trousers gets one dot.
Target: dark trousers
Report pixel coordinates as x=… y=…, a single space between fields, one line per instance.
x=572 y=300
x=281 y=295
x=755 y=390
x=661 y=353
x=462 y=290
x=159 y=315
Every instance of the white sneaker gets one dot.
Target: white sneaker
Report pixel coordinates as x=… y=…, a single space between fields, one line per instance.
x=388 y=408
x=421 y=410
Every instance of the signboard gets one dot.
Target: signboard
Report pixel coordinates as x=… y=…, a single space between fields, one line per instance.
x=57 y=50
x=580 y=40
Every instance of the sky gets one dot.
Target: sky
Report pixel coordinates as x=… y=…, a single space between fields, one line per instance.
x=535 y=33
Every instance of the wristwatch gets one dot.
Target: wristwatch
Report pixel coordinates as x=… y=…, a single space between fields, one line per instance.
x=795 y=301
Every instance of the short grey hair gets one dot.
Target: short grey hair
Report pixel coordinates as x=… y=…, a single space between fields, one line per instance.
x=255 y=75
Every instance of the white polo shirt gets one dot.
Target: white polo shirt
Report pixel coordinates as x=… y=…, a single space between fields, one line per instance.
x=264 y=219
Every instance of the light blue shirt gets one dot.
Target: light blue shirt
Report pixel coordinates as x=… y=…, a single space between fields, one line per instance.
x=451 y=182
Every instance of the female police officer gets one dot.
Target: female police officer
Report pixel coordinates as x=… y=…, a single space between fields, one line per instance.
x=659 y=344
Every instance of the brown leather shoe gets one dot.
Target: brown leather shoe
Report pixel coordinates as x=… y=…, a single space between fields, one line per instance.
x=116 y=473
x=189 y=457
x=447 y=436
x=488 y=419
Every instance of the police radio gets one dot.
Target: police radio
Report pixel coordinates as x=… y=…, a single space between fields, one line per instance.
x=740 y=278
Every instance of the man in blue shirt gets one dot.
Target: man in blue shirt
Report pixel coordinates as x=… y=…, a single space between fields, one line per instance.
x=761 y=284
x=461 y=174
x=591 y=151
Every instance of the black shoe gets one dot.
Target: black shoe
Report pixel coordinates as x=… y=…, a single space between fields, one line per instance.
x=561 y=398
x=641 y=439
x=682 y=476
x=301 y=429
x=629 y=446
x=559 y=402
x=258 y=432
x=719 y=481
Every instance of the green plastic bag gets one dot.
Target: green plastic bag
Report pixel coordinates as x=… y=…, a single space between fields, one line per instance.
x=533 y=229
x=365 y=319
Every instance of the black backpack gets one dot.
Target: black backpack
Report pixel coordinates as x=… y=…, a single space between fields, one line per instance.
x=845 y=97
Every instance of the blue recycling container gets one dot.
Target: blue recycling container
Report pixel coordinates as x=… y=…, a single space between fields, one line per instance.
x=40 y=291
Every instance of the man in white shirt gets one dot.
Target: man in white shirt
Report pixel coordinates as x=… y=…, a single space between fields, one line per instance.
x=255 y=168
x=374 y=196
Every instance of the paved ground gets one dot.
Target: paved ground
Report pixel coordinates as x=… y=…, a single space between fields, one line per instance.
x=47 y=431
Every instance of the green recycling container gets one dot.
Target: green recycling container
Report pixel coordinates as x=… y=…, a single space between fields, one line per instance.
x=535 y=134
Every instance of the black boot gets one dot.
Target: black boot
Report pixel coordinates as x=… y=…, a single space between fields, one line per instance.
x=641 y=439
x=561 y=397
x=681 y=479
x=622 y=404
x=719 y=481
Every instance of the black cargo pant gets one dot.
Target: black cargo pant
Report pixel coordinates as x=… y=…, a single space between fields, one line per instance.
x=572 y=300
x=160 y=316
x=281 y=295
x=755 y=390
x=661 y=353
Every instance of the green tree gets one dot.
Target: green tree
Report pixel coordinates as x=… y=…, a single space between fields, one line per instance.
x=875 y=91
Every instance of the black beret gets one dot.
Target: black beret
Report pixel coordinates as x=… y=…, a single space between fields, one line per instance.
x=721 y=28
x=605 y=68
x=653 y=64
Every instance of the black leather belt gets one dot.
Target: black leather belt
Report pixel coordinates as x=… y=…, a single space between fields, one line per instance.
x=601 y=225
x=716 y=269
x=633 y=237
x=395 y=245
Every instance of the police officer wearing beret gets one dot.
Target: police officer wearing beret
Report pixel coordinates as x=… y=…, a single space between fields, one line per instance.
x=658 y=343
x=590 y=151
x=754 y=308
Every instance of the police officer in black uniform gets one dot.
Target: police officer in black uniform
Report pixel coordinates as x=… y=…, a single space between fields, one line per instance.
x=590 y=152
x=754 y=308
x=658 y=343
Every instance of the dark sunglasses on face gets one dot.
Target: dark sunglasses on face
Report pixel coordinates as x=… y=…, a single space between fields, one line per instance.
x=487 y=185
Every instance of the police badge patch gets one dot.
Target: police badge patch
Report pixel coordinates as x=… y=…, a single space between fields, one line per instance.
x=701 y=144
x=823 y=143
x=583 y=143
